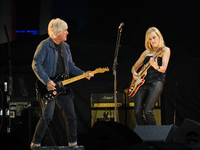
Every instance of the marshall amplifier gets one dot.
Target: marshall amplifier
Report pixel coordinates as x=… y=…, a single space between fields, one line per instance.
x=103 y=104
x=104 y=100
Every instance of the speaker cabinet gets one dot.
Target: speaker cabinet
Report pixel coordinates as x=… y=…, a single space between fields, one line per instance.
x=188 y=134
x=157 y=114
x=107 y=135
x=155 y=133
x=107 y=115
x=102 y=105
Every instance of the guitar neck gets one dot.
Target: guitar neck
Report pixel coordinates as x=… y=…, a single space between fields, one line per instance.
x=148 y=65
x=84 y=75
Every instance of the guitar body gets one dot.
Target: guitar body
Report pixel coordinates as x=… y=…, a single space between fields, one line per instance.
x=49 y=95
x=135 y=84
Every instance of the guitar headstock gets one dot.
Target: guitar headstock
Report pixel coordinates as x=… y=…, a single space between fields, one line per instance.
x=101 y=70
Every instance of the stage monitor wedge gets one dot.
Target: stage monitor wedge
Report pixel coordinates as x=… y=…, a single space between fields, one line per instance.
x=188 y=134
x=155 y=133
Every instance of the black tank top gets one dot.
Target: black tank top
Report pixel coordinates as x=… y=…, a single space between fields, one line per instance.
x=153 y=74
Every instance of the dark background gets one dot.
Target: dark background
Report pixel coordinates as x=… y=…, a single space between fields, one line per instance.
x=93 y=27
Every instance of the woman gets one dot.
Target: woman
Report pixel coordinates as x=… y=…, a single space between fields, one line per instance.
x=148 y=94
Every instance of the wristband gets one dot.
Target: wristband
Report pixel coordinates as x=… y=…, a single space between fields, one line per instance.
x=158 y=67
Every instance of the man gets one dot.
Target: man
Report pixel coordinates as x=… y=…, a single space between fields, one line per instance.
x=49 y=61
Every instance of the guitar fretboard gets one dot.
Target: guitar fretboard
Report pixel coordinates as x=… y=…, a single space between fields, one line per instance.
x=158 y=53
x=84 y=75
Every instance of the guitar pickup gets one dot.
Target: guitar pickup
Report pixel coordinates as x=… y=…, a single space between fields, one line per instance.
x=59 y=84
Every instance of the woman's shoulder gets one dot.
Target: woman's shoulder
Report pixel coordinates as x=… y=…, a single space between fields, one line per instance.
x=166 y=48
x=146 y=52
x=167 y=51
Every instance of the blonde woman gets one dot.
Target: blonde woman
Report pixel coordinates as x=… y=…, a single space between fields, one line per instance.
x=148 y=94
x=52 y=57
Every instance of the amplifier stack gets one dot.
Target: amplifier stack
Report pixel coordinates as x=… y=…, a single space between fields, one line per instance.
x=102 y=109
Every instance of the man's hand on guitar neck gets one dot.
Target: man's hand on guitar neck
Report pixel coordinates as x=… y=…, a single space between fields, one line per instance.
x=51 y=85
x=90 y=74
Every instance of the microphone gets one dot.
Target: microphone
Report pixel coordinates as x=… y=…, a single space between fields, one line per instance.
x=121 y=24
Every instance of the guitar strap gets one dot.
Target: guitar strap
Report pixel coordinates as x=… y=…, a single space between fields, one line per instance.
x=63 y=50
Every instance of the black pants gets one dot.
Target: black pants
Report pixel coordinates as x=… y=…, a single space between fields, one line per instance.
x=145 y=100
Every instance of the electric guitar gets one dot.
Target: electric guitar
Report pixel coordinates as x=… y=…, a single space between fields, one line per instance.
x=49 y=95
x=135 y=84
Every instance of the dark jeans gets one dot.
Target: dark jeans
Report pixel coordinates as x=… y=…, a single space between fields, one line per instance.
x=65 y=102
x=145 y=100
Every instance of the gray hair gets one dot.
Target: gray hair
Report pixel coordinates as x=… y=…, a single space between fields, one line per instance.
x=56 y=26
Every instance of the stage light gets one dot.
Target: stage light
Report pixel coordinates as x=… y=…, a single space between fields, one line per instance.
x=1 y=112
x=20 y=31
x=5 y=86
x=34 y=32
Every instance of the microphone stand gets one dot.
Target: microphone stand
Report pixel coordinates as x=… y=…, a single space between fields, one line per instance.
x=116 y=117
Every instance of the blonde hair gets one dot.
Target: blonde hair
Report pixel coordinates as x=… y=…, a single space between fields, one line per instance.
x=148 y=45
x=56 y=26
